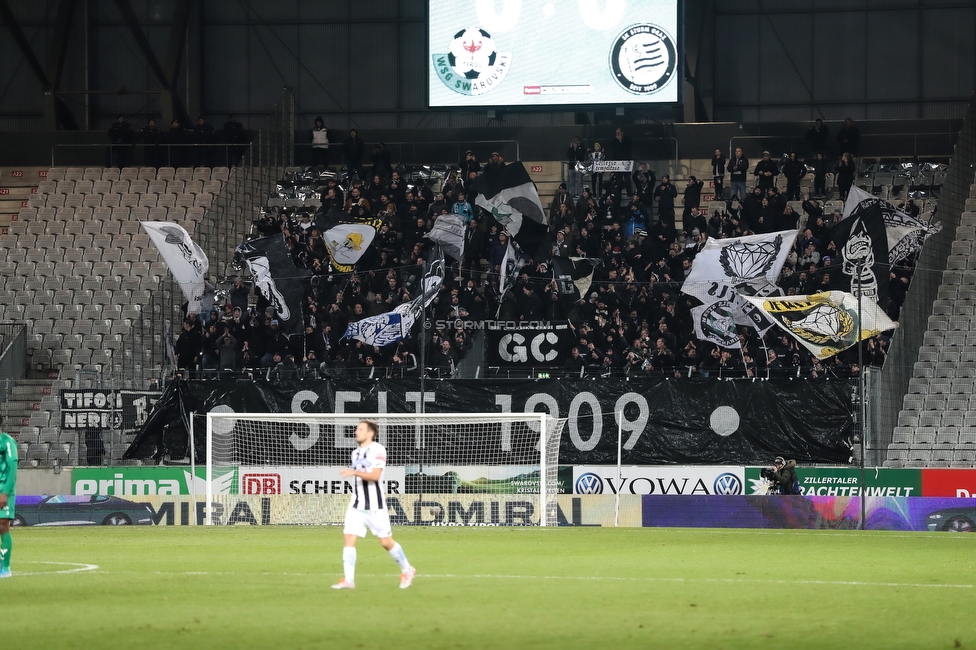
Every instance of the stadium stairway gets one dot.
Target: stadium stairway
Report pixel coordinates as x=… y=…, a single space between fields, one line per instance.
x=936 y=426
x=77 y=267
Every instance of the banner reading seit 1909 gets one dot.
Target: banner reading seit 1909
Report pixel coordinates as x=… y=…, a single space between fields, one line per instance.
x=539 y=52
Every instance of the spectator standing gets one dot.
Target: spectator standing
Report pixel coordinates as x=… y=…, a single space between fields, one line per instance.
x=820 y=175
x=818 y=136
x=120 y=133
x=236 y=137
x=382 y=165
x=203 y=137
x=849 y=137
x=692 y=200
x=320 y=144
x=574 y=155
x=353 y=150
x=766 y=172
x=738 y=168
x=664 y=195
x=469 y=164
x=152 y=137
x=794 y=170
x=622 y=148
x=846 y=168
x=718 y=174
x=177 y=139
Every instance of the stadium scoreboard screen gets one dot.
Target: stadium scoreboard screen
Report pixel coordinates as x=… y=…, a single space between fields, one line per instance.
x=494 y=53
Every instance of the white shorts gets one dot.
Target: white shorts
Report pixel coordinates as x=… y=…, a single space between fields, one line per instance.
x=357 y=521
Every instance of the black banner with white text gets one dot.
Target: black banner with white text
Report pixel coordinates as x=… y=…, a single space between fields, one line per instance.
x=664 y=421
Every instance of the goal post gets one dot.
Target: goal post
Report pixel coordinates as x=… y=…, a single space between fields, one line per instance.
x=442 y=468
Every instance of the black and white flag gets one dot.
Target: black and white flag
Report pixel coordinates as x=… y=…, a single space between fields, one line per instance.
x=716 y=323
x=746 y=264
x=185 y=259
x=382 y=329
x=862 y=251
x=394 y=326
x=905 y=233
x=573 y=276
x=276 y=275
x=448 y=231
x=512 y=263
x=513 y=200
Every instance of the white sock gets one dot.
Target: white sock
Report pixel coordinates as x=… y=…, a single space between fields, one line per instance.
x=397 y=554
x=349 y=563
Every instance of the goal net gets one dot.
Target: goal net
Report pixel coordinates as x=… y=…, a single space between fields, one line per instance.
x=442 y=469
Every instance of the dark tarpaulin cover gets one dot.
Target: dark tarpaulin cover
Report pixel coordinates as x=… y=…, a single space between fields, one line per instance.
x=666 y=421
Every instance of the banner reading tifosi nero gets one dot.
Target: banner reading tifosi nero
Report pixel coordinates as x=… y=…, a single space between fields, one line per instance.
x=664 y=421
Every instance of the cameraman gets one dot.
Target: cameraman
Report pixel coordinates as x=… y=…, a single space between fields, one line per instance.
x=783 y=474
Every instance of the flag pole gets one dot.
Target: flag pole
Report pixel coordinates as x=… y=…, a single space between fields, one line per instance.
x=860 y=390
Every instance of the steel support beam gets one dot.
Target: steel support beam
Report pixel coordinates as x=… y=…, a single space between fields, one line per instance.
x=170 y=104
x=56 y=110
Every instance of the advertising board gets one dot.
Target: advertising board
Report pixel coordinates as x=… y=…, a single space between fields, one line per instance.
x=658 y=480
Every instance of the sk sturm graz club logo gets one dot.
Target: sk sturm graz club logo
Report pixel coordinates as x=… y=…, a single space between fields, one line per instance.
x=718 y=323
x=727 y=484
x=589 y=483
x=473 y=65
x=643 y=59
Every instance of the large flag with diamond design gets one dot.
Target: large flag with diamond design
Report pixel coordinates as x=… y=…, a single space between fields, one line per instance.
x=746 y=264
x=825 y=323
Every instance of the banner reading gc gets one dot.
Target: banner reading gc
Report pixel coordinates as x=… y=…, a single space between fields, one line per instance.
x=511 y=53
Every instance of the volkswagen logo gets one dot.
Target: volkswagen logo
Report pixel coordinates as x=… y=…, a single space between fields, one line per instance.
x=726 y=484
x=589 y=483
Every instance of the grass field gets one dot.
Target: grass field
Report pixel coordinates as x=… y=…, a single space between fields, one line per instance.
x=268 y=587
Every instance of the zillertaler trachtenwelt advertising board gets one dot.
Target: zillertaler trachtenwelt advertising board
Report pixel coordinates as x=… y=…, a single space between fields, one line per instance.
x=580 y=480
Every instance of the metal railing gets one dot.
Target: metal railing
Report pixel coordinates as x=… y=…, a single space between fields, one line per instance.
x=420 y=152
x=13 y=357
x=147 y=155
x=871 y=145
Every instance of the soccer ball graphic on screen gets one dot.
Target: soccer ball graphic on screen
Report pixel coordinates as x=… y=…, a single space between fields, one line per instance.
x=472 y=52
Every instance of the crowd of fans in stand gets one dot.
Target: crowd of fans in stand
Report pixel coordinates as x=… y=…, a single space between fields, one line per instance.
x=633 y=321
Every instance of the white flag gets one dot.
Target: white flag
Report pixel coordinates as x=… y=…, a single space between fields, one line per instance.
x=825 y=323
x=186 y=261
x=742 y=263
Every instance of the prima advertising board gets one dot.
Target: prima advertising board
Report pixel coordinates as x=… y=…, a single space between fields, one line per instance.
x=661 y=480
x=149 y=481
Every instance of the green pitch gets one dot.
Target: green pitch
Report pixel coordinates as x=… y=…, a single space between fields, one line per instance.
x=489 y=588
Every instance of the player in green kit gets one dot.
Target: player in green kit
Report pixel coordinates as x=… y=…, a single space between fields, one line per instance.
x=8 y=495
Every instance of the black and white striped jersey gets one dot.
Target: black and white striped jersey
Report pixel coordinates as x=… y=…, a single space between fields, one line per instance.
x=369 y=495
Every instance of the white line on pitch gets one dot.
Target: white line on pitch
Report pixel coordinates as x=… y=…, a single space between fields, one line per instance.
x=79 y=568
x=489 y=576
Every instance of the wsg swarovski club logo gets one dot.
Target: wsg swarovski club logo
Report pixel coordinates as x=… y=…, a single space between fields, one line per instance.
x=589 y=483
